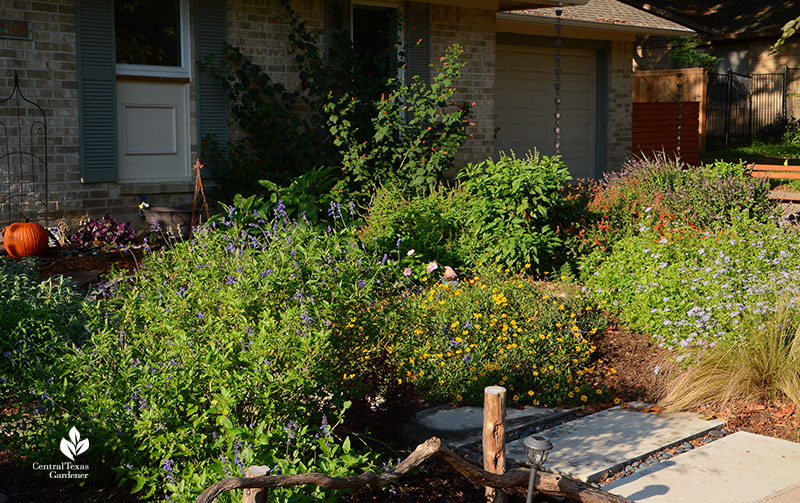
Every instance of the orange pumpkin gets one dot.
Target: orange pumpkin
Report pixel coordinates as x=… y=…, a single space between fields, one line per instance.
x=23 y=239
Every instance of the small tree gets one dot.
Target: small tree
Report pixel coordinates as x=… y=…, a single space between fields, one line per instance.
x=687 y=55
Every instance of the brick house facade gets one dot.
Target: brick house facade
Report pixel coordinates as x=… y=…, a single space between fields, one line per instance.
x=48 y=67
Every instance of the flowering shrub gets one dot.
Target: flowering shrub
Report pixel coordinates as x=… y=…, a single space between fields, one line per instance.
x=495 y=329
x=511 y=204
x=691 y=287
x=105 y=230
x=221 y=352
x=708 y=197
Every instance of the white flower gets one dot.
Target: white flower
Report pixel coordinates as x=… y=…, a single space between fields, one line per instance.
x=410 y=252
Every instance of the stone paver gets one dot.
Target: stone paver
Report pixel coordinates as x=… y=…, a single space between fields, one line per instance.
x=460 y=426
x=739 y=468
x=788 y=495
x=601 y=443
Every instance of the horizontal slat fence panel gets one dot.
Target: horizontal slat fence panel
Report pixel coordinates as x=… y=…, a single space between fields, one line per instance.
x=655 y=128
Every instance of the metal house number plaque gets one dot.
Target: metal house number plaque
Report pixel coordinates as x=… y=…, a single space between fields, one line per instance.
x=14 y=28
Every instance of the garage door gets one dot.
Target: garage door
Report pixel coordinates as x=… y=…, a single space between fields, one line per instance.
x=524 y=104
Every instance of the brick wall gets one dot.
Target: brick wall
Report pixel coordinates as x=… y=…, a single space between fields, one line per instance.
x=259 y=27
x=620 y=105
x=474 y=30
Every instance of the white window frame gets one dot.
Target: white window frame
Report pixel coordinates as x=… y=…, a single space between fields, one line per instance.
x=183 y=71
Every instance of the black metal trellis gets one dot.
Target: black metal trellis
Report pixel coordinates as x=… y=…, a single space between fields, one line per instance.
x=26 y=194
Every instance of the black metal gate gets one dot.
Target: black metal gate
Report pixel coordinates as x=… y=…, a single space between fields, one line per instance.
x=739 y=105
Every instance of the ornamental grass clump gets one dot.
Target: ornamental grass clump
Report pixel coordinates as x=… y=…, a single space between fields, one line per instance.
x=762 y=364
x=496 y=328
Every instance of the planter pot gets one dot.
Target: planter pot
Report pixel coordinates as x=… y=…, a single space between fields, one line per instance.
x=175 y=220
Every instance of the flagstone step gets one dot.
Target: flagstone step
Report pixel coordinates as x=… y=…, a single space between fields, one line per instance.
x=463 y=426
x=739 y=468
x=593 y=446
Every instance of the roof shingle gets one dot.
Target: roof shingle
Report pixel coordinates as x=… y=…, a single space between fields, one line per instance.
x=609 y=12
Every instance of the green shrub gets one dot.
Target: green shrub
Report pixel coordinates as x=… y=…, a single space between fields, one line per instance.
x=432 y=224
x=512 y=203
x=38 y=320
x=792 y=135
x=496 y=329
x=413 y=136
x=219 y=353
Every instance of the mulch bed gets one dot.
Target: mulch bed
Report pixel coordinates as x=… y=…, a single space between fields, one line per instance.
x=630 y=365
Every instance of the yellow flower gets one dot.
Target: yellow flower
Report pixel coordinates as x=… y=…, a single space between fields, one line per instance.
x=515 y=398
x=458 y=398
x=599 y=391
x=583 y=398
x=617 y=401
x=530 y=392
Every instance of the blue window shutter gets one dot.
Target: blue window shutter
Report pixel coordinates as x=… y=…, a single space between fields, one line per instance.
x=212 y=102
x=418 y=42
x=97 y=89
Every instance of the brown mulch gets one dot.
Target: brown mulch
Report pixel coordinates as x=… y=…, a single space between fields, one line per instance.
x=87 y=267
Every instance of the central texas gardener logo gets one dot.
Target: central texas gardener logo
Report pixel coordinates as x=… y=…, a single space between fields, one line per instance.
x=74 y=445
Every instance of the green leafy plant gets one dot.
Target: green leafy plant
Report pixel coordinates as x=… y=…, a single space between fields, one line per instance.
x=431 y=224
x=413 y=136
x=691 y=287
x=512 y=202
x=687 y=55
x=222 y=352
x=40 y=319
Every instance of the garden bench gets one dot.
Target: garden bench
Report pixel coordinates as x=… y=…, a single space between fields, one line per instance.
x=777 y=171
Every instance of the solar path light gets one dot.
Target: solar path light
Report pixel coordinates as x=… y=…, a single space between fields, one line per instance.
x=537 y=449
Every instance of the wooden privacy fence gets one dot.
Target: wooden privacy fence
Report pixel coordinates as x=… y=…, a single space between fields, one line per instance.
x=662 y=86
x=655 y=129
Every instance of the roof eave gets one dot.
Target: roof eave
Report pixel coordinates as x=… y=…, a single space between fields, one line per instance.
x=532 y=4
x=600 y=25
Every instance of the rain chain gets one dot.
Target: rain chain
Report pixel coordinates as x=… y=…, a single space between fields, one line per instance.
x=557 y=85
x=679 y=95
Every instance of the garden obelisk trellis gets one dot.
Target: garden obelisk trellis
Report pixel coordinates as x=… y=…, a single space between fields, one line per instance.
x=26 y=176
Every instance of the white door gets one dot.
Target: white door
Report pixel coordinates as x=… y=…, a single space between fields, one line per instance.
x=153 y=131
x=524 y=95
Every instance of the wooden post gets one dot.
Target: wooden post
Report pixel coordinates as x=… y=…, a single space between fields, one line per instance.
x=494 y=438
x=256 y=495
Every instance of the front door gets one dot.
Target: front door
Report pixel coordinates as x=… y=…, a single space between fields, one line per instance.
x=152 y=46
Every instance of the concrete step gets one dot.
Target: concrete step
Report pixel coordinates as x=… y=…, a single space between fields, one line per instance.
x=463 y=426
x=739 y=468
x=593 y=446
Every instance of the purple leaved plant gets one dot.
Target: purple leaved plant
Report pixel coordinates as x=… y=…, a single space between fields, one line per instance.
x=104 y=230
